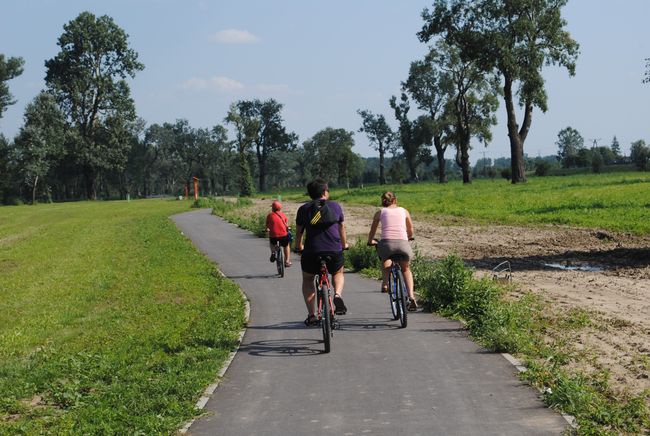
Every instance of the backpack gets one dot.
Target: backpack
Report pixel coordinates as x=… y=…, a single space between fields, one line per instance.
x=320 y=214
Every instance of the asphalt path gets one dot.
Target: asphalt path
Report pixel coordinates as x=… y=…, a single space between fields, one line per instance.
x=378 y=379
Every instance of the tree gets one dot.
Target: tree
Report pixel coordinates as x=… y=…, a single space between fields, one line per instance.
x=87 y=77
x=9 y=69
x=616 y=148
x=329 y=156
x=412 y=135
x=515 y=39
x=272 y=135
x=432 y=89
x=380 y=136
x=640 y=155
x=472 y=103
x=6 y=171
x=570 y=142
x=646 y=79
x=40 y=142
x=246 y=131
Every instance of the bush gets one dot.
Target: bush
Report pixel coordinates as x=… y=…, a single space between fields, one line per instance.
x=361 y=256
x=441 y=286
x=542 y=168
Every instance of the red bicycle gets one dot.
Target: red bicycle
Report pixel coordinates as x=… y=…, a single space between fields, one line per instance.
x=324 y=302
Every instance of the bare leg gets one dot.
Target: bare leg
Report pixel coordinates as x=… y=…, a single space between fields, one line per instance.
x=308 y=292
x=272 y=247
x=385 y=271
x=408 y=277
x=339 y=281
x=287 y=251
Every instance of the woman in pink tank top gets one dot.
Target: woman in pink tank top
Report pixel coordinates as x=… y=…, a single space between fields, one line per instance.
x=396 y=231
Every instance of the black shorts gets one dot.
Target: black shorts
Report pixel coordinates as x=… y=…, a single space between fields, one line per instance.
x=310 y=263
x=284 y=241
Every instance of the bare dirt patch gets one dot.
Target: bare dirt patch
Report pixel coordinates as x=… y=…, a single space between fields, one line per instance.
x=602 y=272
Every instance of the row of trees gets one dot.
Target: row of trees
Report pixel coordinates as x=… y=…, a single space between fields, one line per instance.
x=479 y=50
x=81 y=136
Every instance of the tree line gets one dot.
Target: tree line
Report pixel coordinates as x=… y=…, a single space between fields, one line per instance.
x=82 y=137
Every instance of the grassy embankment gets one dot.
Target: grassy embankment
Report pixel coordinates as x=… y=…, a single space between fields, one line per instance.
x=543 y=337
x=110 y=321
x=613 y=201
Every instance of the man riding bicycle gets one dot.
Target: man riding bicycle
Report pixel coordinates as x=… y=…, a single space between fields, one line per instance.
x=321 y=220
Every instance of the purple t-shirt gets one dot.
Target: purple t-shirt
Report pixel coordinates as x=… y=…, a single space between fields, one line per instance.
x=321 y=239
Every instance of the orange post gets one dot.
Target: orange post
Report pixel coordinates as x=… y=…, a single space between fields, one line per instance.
x=196 y=187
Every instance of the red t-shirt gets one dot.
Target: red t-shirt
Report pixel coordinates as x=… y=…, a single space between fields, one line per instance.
x=276 y=222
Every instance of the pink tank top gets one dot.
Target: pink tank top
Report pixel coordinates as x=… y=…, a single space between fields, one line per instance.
x=393 y=223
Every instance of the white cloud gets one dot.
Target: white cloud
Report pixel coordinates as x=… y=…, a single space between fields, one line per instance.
x=234 y=36
x=217 y=83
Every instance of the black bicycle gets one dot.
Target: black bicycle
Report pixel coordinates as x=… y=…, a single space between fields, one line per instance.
x=397 y=291
x=279 y=258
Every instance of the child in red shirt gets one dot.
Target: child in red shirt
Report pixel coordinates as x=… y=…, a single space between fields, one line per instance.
x=278 y=229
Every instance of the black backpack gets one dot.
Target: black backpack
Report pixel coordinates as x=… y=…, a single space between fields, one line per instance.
x=320 y=214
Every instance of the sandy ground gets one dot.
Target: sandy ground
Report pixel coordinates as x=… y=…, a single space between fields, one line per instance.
x=605 y=273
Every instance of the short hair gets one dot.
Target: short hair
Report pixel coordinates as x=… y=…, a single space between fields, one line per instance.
x=388 y=198
x=316 y=188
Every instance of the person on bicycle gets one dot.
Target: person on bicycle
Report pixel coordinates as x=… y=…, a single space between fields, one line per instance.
x=321 y=221
x=396 y=231
x=278 y=229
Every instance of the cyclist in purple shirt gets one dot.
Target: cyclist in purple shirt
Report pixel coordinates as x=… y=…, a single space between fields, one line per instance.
x=322 y=223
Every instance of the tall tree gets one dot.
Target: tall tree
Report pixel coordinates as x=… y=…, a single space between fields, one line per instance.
x=380 y=136
x=9 y=69
x=432 y=89
x=40 y=142
x=413 y=135
x=570 y=145
x=329 y=155
x=515 y=39
x=616 y=148
x=640 y=155
x=88 y=77
x=472 y=103
x=272 y=134
x=246 y=131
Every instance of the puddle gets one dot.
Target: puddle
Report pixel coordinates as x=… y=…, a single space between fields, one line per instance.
x=584 y=267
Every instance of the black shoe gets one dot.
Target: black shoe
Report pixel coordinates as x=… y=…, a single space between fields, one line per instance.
x=272 y=259
x=339 y=306
x=311 y=321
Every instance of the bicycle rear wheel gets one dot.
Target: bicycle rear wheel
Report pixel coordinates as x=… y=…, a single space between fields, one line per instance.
x=279 y=260
x=392 y=294
x=326 y=318
x=401 y=299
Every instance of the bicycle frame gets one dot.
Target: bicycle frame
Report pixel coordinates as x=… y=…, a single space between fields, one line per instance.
x=323 y=281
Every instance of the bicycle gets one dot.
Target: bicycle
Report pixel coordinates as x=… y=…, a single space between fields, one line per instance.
x=279 y=258
x=397 y=289
x=325 y=303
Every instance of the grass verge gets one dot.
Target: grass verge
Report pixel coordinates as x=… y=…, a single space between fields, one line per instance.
x=110 y=320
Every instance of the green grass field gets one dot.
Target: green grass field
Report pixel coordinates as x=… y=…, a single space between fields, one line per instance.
x=110 y=320
x=612 y=201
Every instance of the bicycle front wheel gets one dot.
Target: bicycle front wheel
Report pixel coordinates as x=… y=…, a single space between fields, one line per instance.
x=401 y=299
x=326 y=318
x=279 y=259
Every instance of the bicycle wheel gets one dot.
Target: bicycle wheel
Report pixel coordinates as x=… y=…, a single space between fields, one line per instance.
x=326 y=318
x=401 y=299
x=279 y=260
x=392 y=294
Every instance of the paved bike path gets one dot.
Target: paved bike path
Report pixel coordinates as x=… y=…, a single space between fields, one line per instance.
x=378 y=379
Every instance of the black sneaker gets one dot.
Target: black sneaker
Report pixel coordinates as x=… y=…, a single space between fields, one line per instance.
x=272 y=259
x=339 y=306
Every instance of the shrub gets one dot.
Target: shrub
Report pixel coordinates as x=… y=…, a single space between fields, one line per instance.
x=440 y=287
x=361 y=257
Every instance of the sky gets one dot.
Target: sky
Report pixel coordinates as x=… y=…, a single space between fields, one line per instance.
x=324 y=60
